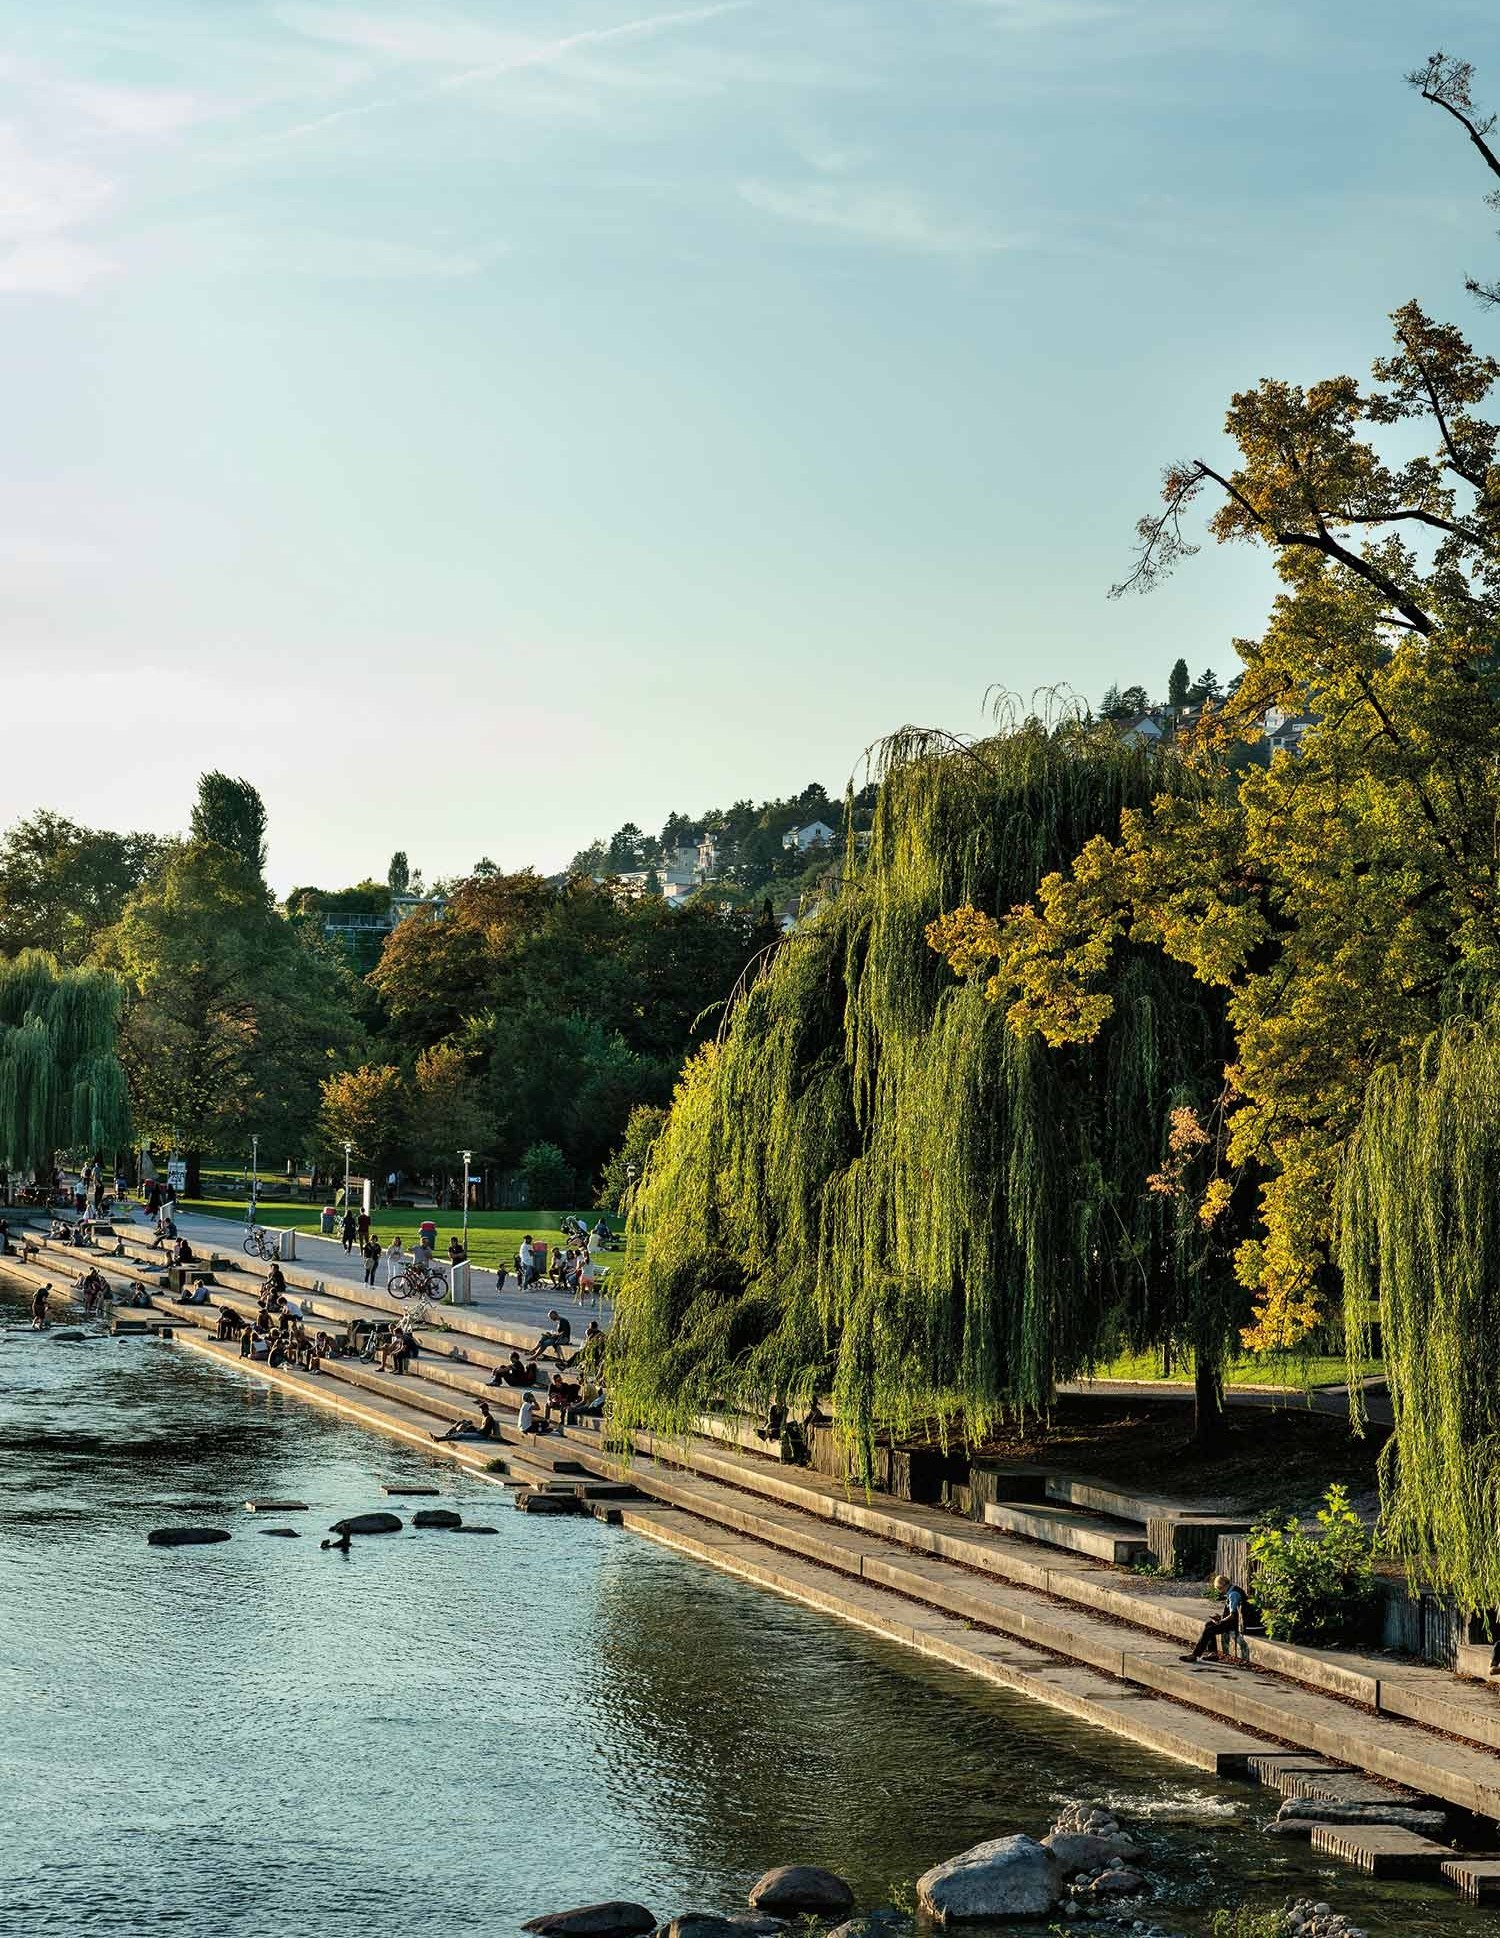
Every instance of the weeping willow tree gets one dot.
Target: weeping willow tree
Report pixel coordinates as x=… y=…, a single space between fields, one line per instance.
x=871 y=1188
x=61 y=1084
x=1419 y=1242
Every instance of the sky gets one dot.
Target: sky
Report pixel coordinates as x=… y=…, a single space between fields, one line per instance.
x=482 y=425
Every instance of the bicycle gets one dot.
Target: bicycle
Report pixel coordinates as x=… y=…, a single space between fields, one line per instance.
x=419 y=1283
x=259 y=1243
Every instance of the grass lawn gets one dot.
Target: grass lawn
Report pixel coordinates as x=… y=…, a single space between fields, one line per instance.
x=494 y=1236
x=1254 y=1369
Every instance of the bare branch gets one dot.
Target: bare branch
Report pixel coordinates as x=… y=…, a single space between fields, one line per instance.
x=1162 y=541
x=1446 y=84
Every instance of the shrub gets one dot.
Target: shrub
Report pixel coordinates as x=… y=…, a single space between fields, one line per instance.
x=548 y=1175
x=1314 y=1584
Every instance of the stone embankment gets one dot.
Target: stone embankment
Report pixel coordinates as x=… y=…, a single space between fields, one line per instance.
x=1400 y=1752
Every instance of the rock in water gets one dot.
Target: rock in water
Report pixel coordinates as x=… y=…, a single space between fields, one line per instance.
x=1008 y=1877
x=185 y=1537
x=443 y=1517
x=287 y=1534
x=1084 y=1850
x=473 y=1527
x=615 y=1918
x=699 y=1924
x=795 y=1888
x=368 y=1524
x=68 y=1338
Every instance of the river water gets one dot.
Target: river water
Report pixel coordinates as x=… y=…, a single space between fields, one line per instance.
x=438 y=1734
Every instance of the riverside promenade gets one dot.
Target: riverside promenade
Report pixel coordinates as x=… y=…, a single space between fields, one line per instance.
x=1357 y=1735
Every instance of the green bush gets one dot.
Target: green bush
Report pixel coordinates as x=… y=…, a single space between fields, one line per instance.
x=1242 y=1922
x=1314 y=1584
x=548 y=1175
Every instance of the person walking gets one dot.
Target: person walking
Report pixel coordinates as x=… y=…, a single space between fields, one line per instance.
x=526 y=1264
x=372 y=1254
x=362 y=1226
x=348 y=1230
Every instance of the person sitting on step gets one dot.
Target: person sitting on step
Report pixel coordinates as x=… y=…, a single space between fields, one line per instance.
x=487 y=1427
x=230 y=1325
x=514 y=1372
x=1230 y=1621
x=554 y=1341
x=529 y=1420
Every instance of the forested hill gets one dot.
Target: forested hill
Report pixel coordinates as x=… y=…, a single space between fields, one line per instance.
x=741 y=848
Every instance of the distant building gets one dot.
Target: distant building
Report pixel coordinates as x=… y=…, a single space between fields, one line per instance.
x=1284 y=730
x=707 y=857
x=1144 y=731
x=817 y=834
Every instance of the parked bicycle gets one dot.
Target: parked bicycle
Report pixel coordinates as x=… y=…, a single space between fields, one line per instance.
x=419 y=1282
x=260 y=1243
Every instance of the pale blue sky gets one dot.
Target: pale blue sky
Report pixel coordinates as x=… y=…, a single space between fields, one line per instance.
x=484 y=424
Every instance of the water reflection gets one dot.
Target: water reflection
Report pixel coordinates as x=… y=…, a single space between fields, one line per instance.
x=432 y=1734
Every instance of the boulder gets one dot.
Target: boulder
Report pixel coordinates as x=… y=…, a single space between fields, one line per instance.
x=276 y=1507
x=758 y=1924
x=473 y=1527
x=379 y=1523
x=287 y=1534
x=796 y=1888
x=68 y=1338
x=392 y=1487
x=1007 y=1877
x=615 y=1918
x=1118 y=1884
x=1086 y=1850
x=884 y=1923
x=445 y=1517
x=699 y=1924
x=185 y=1537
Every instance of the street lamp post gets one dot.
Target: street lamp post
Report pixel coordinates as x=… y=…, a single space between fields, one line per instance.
x=254 y=1176
x=348 y=1148
x=466 y=1156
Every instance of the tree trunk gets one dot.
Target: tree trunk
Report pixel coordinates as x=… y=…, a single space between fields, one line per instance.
x=194 y=1186
x=1208 y=1400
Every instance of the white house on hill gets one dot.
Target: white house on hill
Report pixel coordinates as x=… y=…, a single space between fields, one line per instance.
x=817 y=834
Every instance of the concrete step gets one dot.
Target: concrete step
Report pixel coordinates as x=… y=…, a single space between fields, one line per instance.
x=1069 y=1686
x=1101 y=1497
x=1074 y=1529
x=1475 y=1878
x=1383 y=1850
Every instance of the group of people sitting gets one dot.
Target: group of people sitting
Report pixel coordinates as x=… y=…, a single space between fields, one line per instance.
x=569 y=1268
x=277 y=1335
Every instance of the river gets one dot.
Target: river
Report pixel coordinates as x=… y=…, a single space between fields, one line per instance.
x=435 y=1734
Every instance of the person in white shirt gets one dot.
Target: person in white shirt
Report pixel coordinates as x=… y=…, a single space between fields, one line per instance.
x=395 y=1259
x=526 y=1419
x=528 y=1262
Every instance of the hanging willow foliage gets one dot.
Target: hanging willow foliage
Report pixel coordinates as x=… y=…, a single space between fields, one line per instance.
x=869 y=1187
x=61 y=1084
x=1419 y=1233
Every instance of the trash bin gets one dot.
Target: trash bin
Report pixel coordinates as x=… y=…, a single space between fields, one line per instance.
x=286 y=1244
x=327 y=1221
x=459 y=1279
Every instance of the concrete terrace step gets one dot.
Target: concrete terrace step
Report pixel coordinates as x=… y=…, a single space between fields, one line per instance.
x=1411 y=1692
x=1078 y=1690
x=1383 y=1850
x=1075 y=1529
x=1475 y=1878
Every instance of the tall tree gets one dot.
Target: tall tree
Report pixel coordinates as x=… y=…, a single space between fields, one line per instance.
x=1177 y=684
x=370 y=1109
x=233 y=1014
x=1345 y=900
x=869 y=1183
x=61 y=885
x=61 y=1084
x=231 y=813
x=398 y=874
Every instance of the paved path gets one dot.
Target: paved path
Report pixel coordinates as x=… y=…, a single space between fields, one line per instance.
x=1314 y=1399
x=327 y=1257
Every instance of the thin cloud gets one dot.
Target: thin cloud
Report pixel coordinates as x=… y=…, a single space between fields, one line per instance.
x=890 y=217
x=538 y=54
